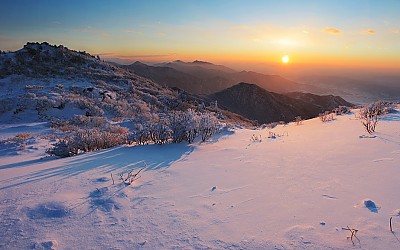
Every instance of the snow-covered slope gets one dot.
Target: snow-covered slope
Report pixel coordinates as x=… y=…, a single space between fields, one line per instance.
x=290 y=187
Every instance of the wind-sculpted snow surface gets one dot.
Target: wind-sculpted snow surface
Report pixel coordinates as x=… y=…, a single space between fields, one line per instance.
x=309 y=186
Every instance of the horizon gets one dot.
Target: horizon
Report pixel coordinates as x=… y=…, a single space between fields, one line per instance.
x=331 y=37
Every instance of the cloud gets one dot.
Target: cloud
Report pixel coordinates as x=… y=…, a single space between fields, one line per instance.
x=396 y=31
x=368 y=32
x=241 y=27
x=134 y=57
x=132 y=31
x=333 y=31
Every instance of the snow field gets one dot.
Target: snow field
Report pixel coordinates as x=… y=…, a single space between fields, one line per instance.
x=296 y=190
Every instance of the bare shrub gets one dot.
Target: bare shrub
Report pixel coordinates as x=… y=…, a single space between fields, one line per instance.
x=326 y=116
x=130 y=178
x=370 y=113
x=19 y=141
x=271 y=125
x=298 y=120
x=341 y=110
x=23 y=136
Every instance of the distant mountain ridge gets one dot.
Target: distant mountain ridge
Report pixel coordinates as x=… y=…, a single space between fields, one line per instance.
x=256 y=103
x=45 y=79
x=205 y=78
x=46 y=82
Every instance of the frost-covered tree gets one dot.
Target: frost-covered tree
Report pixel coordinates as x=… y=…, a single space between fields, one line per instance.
x=191 y=124
x=370 y=113
x=177 y=124
x=208 y=126
x=160 y=133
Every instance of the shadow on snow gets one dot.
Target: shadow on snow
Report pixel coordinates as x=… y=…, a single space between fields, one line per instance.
x=114 y=160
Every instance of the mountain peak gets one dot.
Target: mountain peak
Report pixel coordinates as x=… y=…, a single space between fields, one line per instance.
x=201 y=62
x=138 y=63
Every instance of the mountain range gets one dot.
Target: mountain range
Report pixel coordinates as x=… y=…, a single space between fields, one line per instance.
x=260 y=97
x=54 y=82
x=256 y=103
x=205 y=78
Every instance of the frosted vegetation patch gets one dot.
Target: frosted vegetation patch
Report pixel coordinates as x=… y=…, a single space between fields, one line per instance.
x=94 y=133
x=371 y=113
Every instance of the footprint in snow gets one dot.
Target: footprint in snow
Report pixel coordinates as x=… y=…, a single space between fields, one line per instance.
x=101 y=180
x=47 y=245
x=103 y=199
x=370 y=204
x=48 y=210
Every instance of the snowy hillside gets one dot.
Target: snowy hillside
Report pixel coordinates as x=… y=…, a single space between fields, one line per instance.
x=288 y=187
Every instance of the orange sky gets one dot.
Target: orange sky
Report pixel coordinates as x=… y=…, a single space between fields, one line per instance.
x=359 y=34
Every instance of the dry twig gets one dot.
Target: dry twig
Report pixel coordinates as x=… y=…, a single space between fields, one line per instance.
x=353 y=234
x=390 y=224
x=131 y=177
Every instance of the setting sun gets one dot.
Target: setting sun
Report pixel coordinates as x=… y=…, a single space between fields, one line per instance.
x=285 y=59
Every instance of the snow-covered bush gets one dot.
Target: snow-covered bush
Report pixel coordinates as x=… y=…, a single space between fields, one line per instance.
x=370 y=113
x=376 y=108
x=326 y=116
x=341 y=110
x=44 y=103
x=160 y=133
x=19 y=141
x=208 y=126
x=192 y=123
x=89 y=140
x=88 y=121
x=177 y=124
x=177 y=127
x=61 y=148
x=93 y=110
x=140 y=137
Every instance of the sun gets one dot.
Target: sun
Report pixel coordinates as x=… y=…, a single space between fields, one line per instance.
x=285 y=59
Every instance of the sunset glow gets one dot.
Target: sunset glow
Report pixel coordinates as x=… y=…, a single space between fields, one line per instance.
x=285 y=59
x=352 y=34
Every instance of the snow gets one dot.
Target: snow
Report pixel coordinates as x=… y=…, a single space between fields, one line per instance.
x=295 y=187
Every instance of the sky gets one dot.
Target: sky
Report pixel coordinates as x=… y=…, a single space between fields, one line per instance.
x=362 y=34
